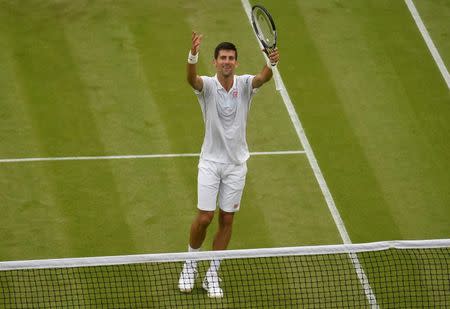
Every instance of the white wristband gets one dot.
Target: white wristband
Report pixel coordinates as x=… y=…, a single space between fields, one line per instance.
x=192 y=59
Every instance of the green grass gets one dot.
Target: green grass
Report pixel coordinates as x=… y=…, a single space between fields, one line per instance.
x=89 y=83
x=435 y=15
x=375 y=122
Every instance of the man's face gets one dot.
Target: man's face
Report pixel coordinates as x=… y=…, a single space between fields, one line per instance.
x=226 y=62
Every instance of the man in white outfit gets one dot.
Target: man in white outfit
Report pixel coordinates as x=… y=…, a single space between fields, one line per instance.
x=225 y=101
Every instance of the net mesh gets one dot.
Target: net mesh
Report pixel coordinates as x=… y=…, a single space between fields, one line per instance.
x=399 y=278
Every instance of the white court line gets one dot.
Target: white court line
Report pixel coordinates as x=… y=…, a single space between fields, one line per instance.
x=318 y=174
x=150 y=156
x=426 y=36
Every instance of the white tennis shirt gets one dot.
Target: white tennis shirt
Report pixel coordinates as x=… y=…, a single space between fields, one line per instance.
x=225 y=116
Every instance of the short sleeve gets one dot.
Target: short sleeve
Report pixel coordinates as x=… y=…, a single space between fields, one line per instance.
x=206 y=86
x=248 y=79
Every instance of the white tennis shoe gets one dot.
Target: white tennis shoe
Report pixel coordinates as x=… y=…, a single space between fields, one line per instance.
x=187 y=278
x=211 y=284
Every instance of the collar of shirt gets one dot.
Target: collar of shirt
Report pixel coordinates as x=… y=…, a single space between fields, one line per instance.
x=219 y=85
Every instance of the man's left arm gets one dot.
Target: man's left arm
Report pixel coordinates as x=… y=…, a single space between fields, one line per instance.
x=266 y=73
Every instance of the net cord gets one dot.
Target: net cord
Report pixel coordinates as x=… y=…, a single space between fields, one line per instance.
x=351 y=249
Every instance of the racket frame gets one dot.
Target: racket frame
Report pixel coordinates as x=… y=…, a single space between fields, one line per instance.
x=268 y=49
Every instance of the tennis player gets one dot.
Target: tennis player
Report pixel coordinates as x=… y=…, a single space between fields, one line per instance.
x=225 y=101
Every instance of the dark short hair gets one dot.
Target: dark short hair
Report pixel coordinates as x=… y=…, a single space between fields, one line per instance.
x=225 y=46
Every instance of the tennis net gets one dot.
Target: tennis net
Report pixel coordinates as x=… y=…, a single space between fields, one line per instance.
x=399 y=274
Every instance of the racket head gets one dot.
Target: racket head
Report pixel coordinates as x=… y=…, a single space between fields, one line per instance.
x=264 y=27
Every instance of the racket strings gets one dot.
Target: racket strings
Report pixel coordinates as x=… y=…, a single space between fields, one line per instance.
x=265 y=29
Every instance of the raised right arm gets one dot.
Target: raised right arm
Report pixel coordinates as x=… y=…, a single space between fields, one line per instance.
x=193 y=79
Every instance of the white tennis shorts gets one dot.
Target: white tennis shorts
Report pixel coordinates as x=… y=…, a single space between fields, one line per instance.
x=219 y=182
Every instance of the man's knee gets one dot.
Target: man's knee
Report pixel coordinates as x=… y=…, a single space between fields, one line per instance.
x=204 y=218
x=226 y=219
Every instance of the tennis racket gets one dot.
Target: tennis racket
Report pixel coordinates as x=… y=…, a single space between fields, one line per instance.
x=266 y=32
x=264 y=27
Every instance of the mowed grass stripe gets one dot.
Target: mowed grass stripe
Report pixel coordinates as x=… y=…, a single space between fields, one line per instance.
x=29 y=218
x=15 y=139
x=32 y=224
x=290 y=213
x=131 y=119
x=159 y=208
x=86 y=191
x=369 y=69
x=417 y=161
x=112 y=69
x=59 y=107
x=47 y=76
x=418 y=172
x=328 y=129
x=161 y=46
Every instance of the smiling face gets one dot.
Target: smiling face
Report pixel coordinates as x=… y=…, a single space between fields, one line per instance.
x=226 y=62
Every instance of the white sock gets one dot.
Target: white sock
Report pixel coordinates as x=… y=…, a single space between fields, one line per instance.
x=192 y=263
x=190 y=249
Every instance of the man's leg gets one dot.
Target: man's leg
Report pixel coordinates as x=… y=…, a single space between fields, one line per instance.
x=208 y=182
x=211 y=283
x=207 y=189
x=230 y=193
x=199 y=227
x=197 y=236
x=223 y=235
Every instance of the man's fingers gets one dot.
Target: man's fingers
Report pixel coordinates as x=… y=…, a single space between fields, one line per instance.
x=196 y=36
x=196 y=40
x=274 y=52
x=274 y=55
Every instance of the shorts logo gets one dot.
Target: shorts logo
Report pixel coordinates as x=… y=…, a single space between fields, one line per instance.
x=236 y=206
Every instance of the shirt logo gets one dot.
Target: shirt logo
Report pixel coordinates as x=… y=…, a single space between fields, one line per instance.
x=235 y=93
